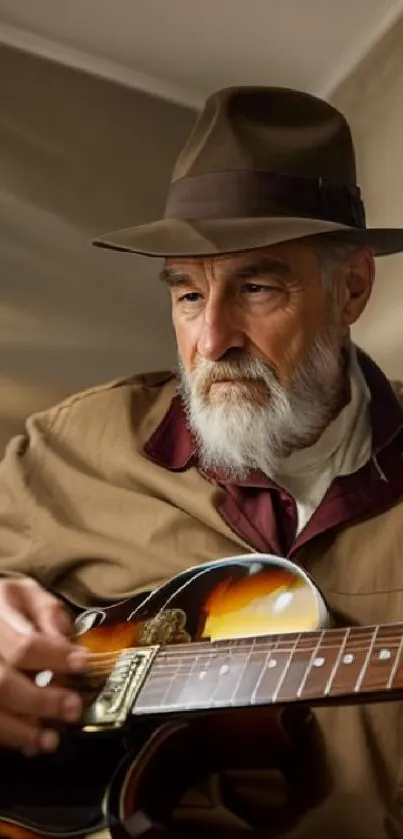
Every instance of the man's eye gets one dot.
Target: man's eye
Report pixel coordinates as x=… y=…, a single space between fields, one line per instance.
x=190 y=297
x=255 y=288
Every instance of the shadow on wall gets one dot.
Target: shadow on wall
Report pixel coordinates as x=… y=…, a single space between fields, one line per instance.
x=79 y=156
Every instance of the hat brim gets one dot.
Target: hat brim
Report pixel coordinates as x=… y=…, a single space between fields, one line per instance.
x=204 y=237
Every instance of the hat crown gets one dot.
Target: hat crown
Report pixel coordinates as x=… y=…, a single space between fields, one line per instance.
x=269 y=129
x=262 y=165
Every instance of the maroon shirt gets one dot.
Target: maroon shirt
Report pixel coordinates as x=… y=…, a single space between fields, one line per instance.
x=264 y=514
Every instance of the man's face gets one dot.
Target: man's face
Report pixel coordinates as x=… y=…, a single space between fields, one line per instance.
x=259 y=343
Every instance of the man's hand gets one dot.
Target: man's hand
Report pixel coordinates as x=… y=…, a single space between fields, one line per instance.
x=34 y=636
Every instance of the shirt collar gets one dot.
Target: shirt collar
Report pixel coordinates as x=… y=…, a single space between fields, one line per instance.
x=172 y=444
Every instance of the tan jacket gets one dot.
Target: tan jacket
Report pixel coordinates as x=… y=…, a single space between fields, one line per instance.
x=89 y=516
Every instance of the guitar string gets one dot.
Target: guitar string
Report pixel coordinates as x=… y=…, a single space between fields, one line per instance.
x=103 y=667
x=260 y=644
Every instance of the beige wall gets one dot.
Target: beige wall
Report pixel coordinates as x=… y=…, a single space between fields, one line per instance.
x=372 y=99
x=78 y=156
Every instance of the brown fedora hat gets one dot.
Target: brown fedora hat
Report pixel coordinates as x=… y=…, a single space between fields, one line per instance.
x=262 y=165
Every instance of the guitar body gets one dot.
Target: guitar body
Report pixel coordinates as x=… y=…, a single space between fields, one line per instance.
x=108 y=769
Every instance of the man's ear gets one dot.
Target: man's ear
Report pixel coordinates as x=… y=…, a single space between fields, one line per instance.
x=356 y=285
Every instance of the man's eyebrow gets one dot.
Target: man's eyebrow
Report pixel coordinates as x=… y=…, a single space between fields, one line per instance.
x=261 y=268
x=172 y=277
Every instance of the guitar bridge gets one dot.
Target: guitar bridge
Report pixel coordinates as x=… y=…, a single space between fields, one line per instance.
x=114 y=702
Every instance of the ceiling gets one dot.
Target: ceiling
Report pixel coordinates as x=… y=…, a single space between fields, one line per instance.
x=184 y=49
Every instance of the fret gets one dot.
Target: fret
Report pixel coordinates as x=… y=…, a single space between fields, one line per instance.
x=383 y=660
x=323 y=664
x=295 y=672
x=252 y=673
x=396 y=675
x=230 y=674
x=166 y=679
x=351 y=663
x=358 y=683
x=197 y=683
x=280 y=650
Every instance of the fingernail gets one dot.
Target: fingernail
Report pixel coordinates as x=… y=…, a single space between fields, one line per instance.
x=71 y=708
x=78 y=659
x=49 y=740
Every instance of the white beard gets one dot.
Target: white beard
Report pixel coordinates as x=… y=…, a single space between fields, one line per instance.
x=235 y=433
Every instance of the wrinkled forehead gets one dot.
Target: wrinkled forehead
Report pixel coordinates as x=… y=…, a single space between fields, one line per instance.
x=286 y=259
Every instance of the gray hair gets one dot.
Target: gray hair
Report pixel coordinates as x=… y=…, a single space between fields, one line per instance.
x=332 y=252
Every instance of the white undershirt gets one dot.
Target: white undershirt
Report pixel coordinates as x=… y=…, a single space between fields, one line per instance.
x=343 y=448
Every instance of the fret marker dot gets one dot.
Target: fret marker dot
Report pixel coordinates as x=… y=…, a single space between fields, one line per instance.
x=348 y=658
x=224 y=669
x=272 y=662
x=202 y=675
x=384 y=655
x=318 y=662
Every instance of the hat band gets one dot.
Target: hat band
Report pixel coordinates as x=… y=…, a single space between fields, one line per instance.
x=245 y=194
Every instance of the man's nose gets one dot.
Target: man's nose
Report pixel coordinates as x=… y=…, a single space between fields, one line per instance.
x=220 y=332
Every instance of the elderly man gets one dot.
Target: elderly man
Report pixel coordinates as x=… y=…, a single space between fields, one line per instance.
x=276 y=434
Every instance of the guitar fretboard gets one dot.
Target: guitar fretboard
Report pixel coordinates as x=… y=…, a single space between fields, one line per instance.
x=358 y=663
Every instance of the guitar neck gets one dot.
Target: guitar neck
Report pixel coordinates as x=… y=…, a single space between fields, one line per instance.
x=354 y=664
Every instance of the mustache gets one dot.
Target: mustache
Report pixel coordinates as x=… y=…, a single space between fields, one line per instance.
x=239 y=366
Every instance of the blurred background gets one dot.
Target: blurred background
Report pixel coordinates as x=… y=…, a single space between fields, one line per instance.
x=96 y=100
